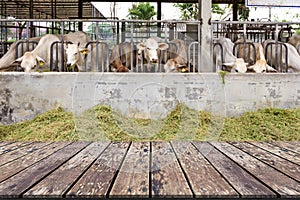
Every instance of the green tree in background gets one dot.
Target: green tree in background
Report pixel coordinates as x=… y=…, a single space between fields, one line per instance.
x=190 y=10
x=143 y=11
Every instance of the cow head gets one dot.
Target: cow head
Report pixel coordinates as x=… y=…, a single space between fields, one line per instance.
x=261 y=66
x=75 y=55
x=173 y=65
x=238 y=65
x=150 y=48
x=30 y=62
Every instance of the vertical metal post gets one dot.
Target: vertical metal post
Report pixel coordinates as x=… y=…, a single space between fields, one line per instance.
x=131 y=46
x=80 y=14
x=159 y=18
x=97 y=45
x=62 y=47
x=123 y=31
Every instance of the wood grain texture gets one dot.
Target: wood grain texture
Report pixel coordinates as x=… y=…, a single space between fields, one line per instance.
x=272 y=160
x=18 y=184
x=14 y=167
x=22 y=151
x=133 y=178
x=279 y=151
x=293 y=146
x=283 y=185
x=12 y=146
x=206 y=182
x=54 y=185
x=245 y=184
x=4 y=143
x=167 y=178
x=98 y=178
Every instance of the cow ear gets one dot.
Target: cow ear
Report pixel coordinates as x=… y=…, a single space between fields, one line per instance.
x=84 y=51
x=141 y=46
x=18 y=60
x=228 y=64
x=163 y=46
x=270 y=69
x=40 y=61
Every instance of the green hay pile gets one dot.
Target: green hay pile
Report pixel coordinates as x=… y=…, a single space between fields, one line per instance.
x=102 y=123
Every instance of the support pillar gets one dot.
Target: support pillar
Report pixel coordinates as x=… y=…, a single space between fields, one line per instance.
x=158 y=18
x=205 y=35
x=235 y=10
x=80 y=14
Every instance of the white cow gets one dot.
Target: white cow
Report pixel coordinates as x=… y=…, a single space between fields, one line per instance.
x=293 y=56
x=150 y=48
x=85 y=59
x=256 y=58
x=261 y=64
x=39 y=58
x=8 y=59
x=295 y=41
x=230 y=61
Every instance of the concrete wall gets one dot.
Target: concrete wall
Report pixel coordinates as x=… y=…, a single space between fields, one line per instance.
x=22 y=96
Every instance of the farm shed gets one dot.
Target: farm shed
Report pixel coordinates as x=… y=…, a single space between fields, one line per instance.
x=64 y=9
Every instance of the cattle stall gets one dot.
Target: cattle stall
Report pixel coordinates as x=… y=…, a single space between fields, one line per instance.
x=105 y=34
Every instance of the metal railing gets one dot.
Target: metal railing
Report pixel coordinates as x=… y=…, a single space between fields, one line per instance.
x=112 y=32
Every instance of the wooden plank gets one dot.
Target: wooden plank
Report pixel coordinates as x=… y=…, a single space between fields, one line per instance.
x=13 y=155
x=167 y=179
x=206 y=182
x=245 y=184
x=13 y=146
x=283 y=185
x=279 y=151
x=12 y=168
x=54 y=186
x=293 y=146
x=18 y=184
x=97 y=179
x=133 y=178
x=272 y=160
x=4 y=143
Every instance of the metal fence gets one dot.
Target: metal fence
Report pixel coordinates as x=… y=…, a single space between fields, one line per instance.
x=245 y=34
x=106 y=34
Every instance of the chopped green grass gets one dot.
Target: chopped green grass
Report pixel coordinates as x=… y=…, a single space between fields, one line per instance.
x=263 y=125
x=102 y=123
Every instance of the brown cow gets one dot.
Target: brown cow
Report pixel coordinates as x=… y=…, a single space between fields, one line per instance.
x=127 y=56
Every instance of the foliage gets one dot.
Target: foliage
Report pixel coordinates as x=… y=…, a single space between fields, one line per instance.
x=142 y=11
x=182 y=123
x=188 y=10
x=217 y=9
x=243 y=12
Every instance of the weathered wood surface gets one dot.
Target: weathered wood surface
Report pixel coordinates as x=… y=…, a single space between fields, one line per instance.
x=150 y=170
x=98 y=178
x=54 y=185
x=245 y=184
x=278 y=181
x=133 y=178
x=22 y=151
x=167 y=179
x=279 y=151
x=196 y=168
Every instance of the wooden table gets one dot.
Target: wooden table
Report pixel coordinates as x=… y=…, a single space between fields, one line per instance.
x=150 y=169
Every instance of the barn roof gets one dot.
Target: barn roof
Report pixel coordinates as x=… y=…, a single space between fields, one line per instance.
x=64 y=9
x=47 y=9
